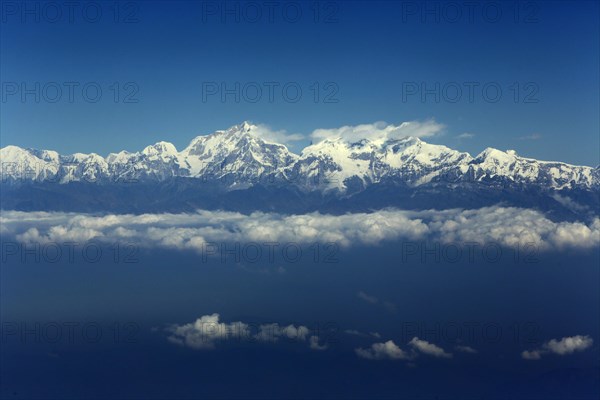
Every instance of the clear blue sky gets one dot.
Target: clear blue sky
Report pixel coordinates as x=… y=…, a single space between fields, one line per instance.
x=370 y=51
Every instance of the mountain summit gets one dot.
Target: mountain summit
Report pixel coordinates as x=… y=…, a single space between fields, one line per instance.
x=366 y=170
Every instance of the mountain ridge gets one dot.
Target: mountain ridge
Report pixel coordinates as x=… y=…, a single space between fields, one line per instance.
x=240 y=154
x=236 y=170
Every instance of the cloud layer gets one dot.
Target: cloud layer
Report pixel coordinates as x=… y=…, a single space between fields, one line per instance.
x=503 y=226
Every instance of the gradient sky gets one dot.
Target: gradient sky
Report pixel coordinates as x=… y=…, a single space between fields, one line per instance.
x=370 y=51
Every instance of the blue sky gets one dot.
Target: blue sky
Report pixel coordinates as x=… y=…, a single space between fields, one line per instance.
x=364 y=55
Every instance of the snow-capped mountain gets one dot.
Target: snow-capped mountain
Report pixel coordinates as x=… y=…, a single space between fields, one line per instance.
x=343 y=165
x=237 y=154
x=238 y=159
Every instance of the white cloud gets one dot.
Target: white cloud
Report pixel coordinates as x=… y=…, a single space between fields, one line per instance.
x=381 y=351
x=466 y=135
x=274 y=136
x=273 y=332
x=206 y=331
x=391 y=351
x=380 y=131
x=428 y=348
x=564 y=346
x=465 y=349
x=314 y=344
x=569 y=345
x=569 y=203
x=505 y=226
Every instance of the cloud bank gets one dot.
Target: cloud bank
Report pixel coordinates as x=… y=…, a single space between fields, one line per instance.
x=505 y=226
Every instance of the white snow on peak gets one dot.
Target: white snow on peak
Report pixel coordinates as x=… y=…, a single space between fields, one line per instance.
x=343 y=156
x=161 y=149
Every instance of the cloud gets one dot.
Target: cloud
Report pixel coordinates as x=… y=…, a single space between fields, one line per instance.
x=380 y=131
x=569 y=345
x=465 y=135
x=569 y=203
x=276 y=136
x=208 y=330
x=354 y=332
x=388 y=305
x=390 y=351
x=564 y=346
x=273 y=332
x=465 y=349
x=369 y=299
x=504 y=226
x=533 y=136
x=314 y=344
x=382 y=351
x=531 y=355
x=428 y=348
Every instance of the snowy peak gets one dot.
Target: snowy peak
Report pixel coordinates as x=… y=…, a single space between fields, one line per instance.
x=343 y=164
x=371 y=161
x=237 y=151
x=509 y=166
x=160 y=149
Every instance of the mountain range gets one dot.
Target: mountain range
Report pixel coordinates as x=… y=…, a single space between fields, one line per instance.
x=236 y=169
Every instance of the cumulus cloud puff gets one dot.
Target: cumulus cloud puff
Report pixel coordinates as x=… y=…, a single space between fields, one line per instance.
x=206 y=331
x=391 y=351
x=380 y=131
x=428 y=348
x=506 y=226
x=564 y=346
x=383 y=351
